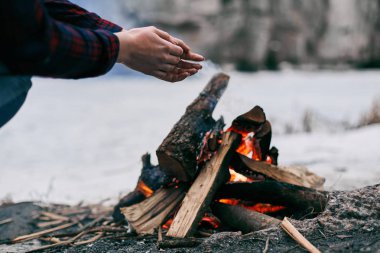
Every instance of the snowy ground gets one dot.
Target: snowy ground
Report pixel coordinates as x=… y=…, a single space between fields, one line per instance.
x=82 y=140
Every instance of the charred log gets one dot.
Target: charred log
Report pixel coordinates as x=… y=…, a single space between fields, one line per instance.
x=177 y=153
x=250 y=121
x=243 y=219
x=276 y=193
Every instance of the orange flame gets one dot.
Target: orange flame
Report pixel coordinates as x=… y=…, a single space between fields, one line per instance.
x=248 y=146
x=144 y=189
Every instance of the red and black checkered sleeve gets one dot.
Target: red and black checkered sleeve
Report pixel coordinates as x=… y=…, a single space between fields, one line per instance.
x=70 y=13
x=32 y=43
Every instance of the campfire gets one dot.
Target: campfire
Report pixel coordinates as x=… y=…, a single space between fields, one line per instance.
x=210 y=178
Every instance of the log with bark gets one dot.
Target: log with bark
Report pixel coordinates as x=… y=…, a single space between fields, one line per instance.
x=177 y=153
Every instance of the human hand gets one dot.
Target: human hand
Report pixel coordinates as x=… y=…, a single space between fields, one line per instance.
x=154 y=52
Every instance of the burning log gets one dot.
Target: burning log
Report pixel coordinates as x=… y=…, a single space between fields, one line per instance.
x=276 y=193
x=151 y=213
x=177 y=153
x=211 y=177
x=243 y=219
x=293 y=175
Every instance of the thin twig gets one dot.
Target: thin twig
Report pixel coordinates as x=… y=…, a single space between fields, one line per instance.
x=6 y=221
x=41 y=233
x=265 y=250
x=159 y=234
x=54 y=216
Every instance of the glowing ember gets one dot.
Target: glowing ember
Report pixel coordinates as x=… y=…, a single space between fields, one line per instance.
x=259 y=207
x=237 y=177
x=265 y=208
x=144 y=189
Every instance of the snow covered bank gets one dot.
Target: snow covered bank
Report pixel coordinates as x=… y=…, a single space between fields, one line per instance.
x=82 y=140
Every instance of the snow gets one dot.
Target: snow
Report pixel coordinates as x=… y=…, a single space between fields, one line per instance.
x=80 y=140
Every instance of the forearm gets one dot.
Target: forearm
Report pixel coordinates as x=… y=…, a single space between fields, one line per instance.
x=70 y=13
x=38 y=45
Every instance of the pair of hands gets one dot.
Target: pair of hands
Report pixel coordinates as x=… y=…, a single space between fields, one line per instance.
x=156 y=53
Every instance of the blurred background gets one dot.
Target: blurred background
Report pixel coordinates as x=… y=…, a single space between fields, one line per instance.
x=312 y=65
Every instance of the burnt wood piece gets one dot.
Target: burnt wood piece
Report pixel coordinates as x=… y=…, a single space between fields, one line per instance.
x=201 y=193
x=273 y=153
x=251 y=120
x=264 y=137
x=243 y=219
x=292 y=174
x=276 y=193
x=179 y=243
x=152 y=175
x=151 y=213
x=177 y=153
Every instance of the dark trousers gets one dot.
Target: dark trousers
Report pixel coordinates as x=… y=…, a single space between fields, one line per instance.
x=13 y=92
x=10 y=109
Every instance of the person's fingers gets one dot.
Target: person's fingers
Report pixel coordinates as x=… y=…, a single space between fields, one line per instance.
x=188 y=65
x=192 y=57
x=167 y=67
x=182 y=44
x=170 y=77
x=173 y=49
x=171 y=59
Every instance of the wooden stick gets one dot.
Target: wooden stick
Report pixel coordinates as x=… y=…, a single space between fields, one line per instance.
x=211 y=177
x=296 y=235
x=49 y=223
x=9 y=220
x=55 y=216
x=41 y=233
x=265 y=250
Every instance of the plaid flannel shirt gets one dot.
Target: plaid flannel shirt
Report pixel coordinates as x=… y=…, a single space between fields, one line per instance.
x=55 y=38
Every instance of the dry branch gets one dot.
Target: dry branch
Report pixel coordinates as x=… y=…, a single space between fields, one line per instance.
x=41 y=233
x=177 y=153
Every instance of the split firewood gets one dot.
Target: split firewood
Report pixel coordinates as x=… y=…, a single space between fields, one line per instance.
x=297 y=236
x=177 y=153
x=243 y=219
x=201 y=193
x=294 y=197
x=151 y=213
x=296 y=175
